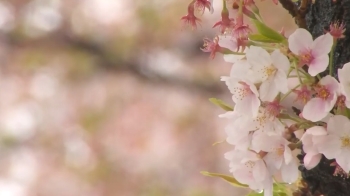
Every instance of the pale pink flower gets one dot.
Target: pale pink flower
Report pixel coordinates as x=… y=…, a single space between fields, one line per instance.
x=311 y=53
x=228 y=43
x=344 y=79
x=311 y=139
x=245 y=95
x=266 y=122
x=336 y=144
x=271 y=70
x=238 y=134
x=327 y=92
x=249 y=168
x=279 y=156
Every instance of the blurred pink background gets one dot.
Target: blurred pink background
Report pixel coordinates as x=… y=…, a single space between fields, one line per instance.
x=110 y=97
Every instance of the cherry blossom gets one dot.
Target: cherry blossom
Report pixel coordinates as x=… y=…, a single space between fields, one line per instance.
x=311 y=53
x=327 y=91
x=266 y=122
x=271 y=70
x=336 y=145
x=245 y=95
x=279 y=155
x=249 y=168
x=311 y=139
x=344 y=79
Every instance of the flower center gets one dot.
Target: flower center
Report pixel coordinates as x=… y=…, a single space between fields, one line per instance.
x=305 y=57
x=269 y=71
x=249 y=164
x=280 y=151
x=242 y=91
x=323 y=93
x=345 y=142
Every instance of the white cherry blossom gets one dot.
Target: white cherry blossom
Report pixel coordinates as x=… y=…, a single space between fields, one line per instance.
x=270 y=70
x=336 y=144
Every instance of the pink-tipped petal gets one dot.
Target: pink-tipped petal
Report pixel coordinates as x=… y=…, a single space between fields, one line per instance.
x=299 y=41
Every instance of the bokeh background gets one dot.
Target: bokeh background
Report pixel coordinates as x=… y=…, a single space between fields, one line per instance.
x=110 y=98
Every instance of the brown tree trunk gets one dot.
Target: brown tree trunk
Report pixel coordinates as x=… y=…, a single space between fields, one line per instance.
x=316 y=16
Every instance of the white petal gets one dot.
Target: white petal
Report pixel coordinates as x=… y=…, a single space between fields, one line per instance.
x=268 y=90
x=337 y=124
x=300 y=40
x=318 y=65
x=232 y=58
x=281 y=81
x=311 y=160
x=258 y=57
x=280 y=61
x=322 y=45
x=290 y=172
x=314 y=110
x=331 y=147
x=316 y=130
x=228 y=42
x=343 y=75
x=343 y=159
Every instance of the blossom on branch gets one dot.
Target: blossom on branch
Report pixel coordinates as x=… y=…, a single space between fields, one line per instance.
x=314 y=54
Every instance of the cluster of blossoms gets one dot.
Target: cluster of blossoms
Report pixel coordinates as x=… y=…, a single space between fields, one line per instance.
x=279 y=93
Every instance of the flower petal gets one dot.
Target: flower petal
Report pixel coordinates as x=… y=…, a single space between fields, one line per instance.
x=268 y=90
x=330 y=147
x=300 y=40
x=318 y=65
x=314 y=110
x=280 y=61
x=281 y=81
x=311 y=160
x=258 y=57
x=338 y=124
x=228 y=42
x=322 y=45
x=343 y=160
x=290 y=172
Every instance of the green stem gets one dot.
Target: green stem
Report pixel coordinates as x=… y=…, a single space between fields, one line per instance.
x=290 y=91
x=331 y=60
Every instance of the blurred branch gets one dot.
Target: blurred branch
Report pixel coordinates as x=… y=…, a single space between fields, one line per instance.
x=111 y=62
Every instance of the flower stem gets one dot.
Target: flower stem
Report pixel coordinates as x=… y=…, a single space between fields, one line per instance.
x=331 y=59
x=290 y=91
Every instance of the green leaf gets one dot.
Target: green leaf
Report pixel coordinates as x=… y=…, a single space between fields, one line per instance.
x=268 y=32
x=221 y=104
x=228 y=179
x=261 y=38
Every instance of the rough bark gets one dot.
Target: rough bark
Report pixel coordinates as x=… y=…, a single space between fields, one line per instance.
x=316 y=16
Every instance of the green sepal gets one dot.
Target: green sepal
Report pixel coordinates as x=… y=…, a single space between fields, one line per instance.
x=268 y=32
x=221 y=104
x=228 y=179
